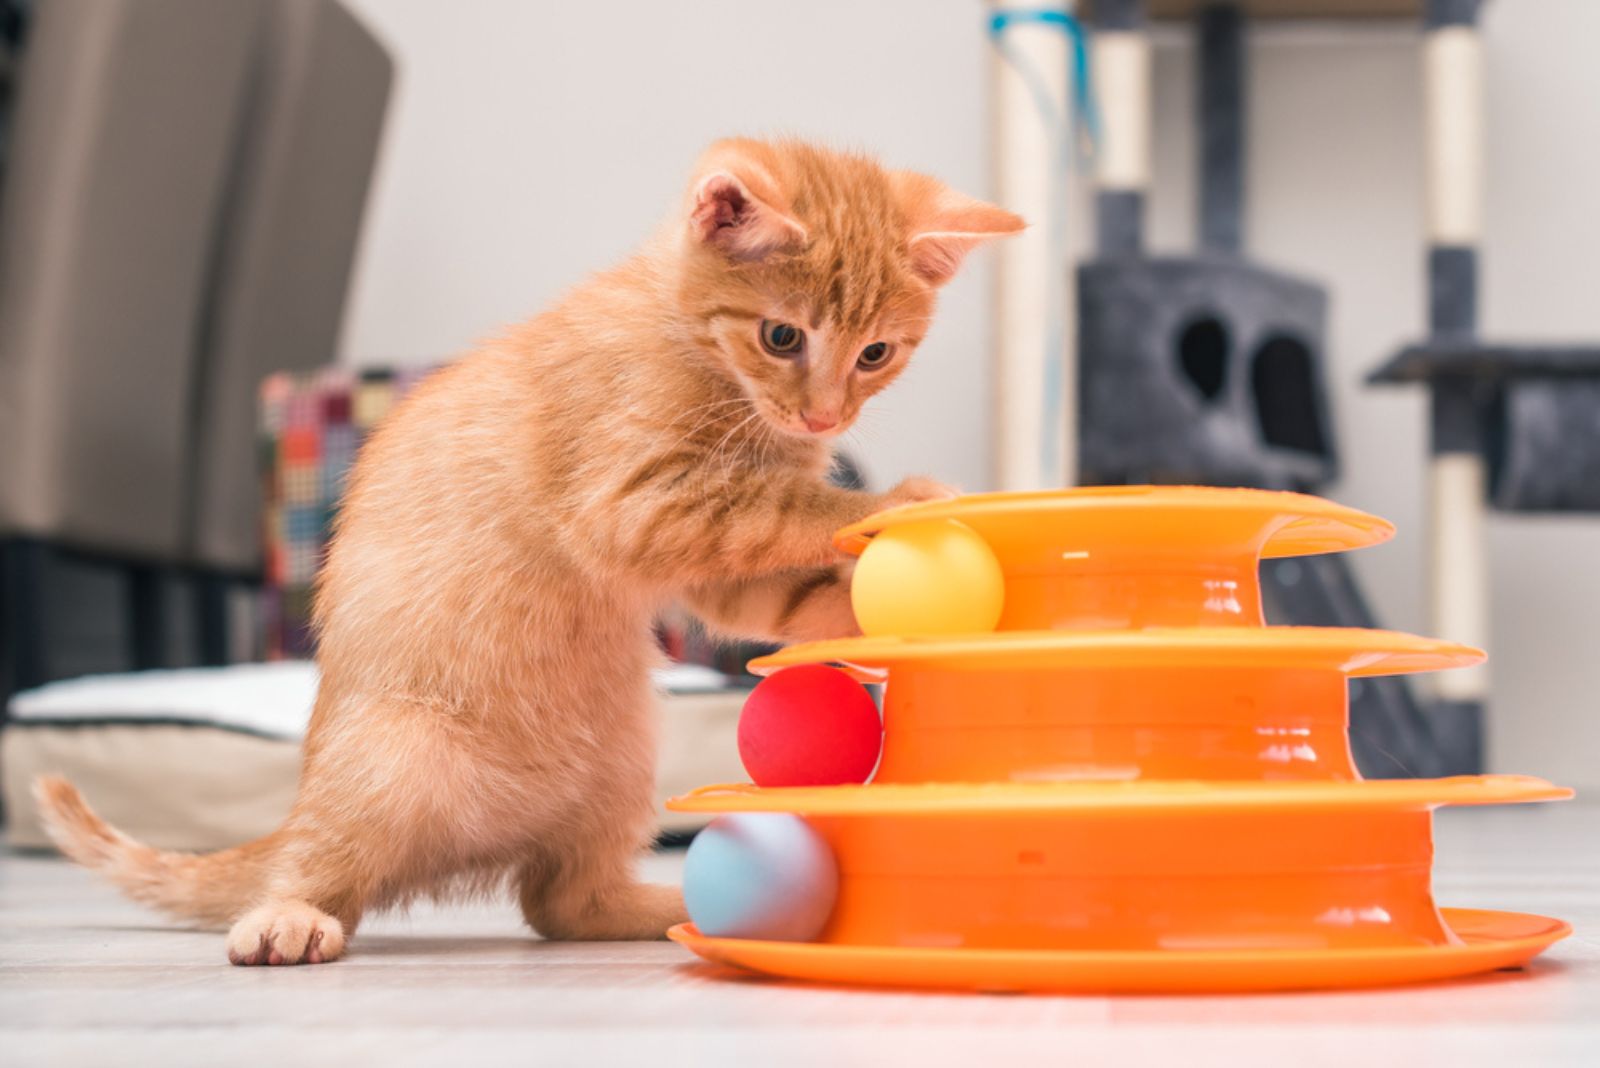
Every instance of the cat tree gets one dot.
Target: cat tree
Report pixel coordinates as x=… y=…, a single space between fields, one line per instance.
x=1209 y=368
x=1513 y=426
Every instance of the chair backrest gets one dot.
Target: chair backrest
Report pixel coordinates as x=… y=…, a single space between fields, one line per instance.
x=123 y=135
x=315 y=114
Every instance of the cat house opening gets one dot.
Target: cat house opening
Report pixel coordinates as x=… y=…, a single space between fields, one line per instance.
x=1203 y=355
x=1283 y=381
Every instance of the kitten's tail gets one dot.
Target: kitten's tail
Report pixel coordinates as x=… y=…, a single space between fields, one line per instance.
x=213 y=888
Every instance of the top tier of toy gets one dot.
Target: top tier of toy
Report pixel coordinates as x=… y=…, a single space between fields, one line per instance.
x=1138 y=556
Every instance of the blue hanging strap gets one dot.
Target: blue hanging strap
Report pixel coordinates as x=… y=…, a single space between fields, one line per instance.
x=1083 y=105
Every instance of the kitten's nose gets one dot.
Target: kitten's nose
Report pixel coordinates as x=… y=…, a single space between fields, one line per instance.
x=818 y=423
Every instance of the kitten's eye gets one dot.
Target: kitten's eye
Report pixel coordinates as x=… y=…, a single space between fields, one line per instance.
x=873 y=356
x=781 y=339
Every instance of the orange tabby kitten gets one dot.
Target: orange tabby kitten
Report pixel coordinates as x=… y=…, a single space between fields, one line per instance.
x=511 y=530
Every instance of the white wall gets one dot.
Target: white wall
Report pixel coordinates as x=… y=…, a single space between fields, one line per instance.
x=533 y=142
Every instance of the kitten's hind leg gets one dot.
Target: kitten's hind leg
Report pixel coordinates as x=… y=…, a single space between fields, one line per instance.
x=578 y=878
x=286 y=931
x=589 y=897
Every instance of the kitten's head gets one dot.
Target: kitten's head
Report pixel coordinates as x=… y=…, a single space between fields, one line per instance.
x=814 y=273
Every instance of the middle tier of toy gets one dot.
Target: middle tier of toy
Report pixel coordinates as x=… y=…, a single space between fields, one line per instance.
x=1205 y=703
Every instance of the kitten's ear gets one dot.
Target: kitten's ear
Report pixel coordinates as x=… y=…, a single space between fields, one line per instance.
x=946 y=225
x=741 y=215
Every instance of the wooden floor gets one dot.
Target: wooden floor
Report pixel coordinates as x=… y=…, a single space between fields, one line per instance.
x=88 y=979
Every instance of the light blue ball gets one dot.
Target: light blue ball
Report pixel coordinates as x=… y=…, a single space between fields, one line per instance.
x=762 y=875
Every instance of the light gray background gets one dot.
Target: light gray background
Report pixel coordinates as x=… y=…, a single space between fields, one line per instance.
x=532 y=142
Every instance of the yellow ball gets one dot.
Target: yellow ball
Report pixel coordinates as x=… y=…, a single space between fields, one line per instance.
x=934 y=577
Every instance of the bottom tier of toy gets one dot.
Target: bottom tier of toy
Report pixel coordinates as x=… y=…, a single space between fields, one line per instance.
x=1480 y=941
x=1110 y=881
x=1165 y=880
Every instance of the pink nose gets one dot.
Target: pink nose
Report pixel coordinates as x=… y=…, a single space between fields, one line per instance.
x=818 y=423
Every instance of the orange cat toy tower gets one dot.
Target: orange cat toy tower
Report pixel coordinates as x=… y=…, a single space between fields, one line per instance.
x=1132 y=783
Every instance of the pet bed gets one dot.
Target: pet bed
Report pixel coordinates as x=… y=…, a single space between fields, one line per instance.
x=200 y=759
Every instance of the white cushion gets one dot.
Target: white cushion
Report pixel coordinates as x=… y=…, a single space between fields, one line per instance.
x=204 y=758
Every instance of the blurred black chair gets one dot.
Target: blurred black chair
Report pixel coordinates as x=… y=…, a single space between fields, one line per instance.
x=182 y=191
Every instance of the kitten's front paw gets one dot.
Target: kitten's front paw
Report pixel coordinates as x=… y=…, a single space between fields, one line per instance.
x=917 y=489
x=818 y=607
x=636 y=912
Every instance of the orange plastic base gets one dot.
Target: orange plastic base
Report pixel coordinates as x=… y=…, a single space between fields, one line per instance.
x=1482 y=942
x=1132 y=784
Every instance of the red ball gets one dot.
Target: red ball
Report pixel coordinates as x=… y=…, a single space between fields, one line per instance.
x=809 y=726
